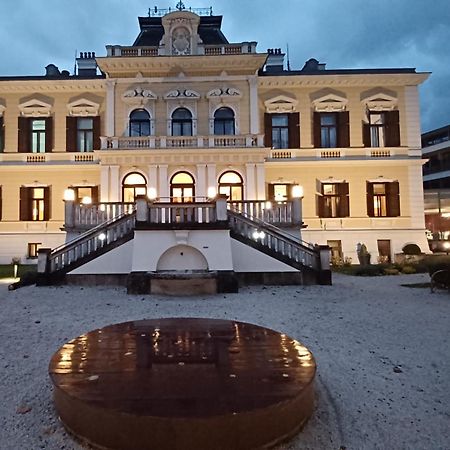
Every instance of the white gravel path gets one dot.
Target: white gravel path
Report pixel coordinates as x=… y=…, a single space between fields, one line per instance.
x=359 y=330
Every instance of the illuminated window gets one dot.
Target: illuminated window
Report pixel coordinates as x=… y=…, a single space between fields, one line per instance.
x=133 y=184
x=182 y=188
x=35 y=203
x=383 y=199
x=33 y=248
x=230 y=184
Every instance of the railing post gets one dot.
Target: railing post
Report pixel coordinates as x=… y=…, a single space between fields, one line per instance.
x=43 y=259
x=141 y=208
x=103 y=142
x=221 y=207
x=69 y=213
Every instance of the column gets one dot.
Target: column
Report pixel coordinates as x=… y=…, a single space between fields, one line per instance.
x=212 y=175
x=260 y=182
x=104 y=184
x=250 y=186
x=254 y=111
x=306 y=119
x=153 y=178
x=163 y=186
x=114 y=188
x=110 y=107
x=201 y=189
x=410 y=122
x=356 y=116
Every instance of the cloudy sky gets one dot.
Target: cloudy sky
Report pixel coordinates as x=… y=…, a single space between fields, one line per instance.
x=342 y=33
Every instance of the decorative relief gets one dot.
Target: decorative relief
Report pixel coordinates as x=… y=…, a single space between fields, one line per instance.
x=281 y=104
x=181 y=41
x=83 y=107
x=182 y=93
x=138 y=96
x=380 y=102
x=330 y=103
x=224 y=92
x=35 y=108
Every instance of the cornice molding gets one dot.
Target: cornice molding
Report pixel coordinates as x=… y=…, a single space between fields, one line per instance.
x=52 y=86
x=83 y=107
x=281 y=104
x=35 y=108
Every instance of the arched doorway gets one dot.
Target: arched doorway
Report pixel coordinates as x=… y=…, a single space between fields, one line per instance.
x=182 y=257
x=181 y=122
x=224 y=122
x=132 y=185
x=231 y=184
x=182 y=188
x=139 y=123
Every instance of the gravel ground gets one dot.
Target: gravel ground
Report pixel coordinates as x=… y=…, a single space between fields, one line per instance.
x=382 y=350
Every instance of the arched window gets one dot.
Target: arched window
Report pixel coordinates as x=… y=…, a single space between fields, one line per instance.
x=231 y=184
x=181 y=122
x=133 y=184
x=139 y=123
x=224 y=122
x=182 y=188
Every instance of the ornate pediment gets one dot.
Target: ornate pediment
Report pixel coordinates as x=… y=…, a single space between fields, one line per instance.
x=83 y=107
x=138 y=96
x=35 y=108
x=330 y=103
x=380 y=101
x=281 y=104
x=178 y=94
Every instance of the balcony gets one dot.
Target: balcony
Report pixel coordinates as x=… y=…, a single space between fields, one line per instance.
x=169 y=142
x=341 y=153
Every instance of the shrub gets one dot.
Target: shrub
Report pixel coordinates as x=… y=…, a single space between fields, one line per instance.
x=411 y=249
x=368 y=271
x=408 y=270
x=391 y=271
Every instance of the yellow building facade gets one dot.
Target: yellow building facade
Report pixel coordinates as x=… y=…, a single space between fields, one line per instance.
x=183 y=114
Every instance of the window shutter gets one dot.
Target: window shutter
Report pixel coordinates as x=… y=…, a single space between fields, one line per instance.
x=370 y=211
x=392 y=128
x=48 y=134
x=343 y=129
x=393 y=199
x=289 y=188
x=24 y=206
x=317 y=131
x=2 y=135
x=366 y=135
x=344 y=200
x=96 y=132
x=271 y=191
x=24 y=137
x=47 y=203
x=294 y=130
x=94 y=194
x=267 y=130
x=71 y=134
x=320 y=205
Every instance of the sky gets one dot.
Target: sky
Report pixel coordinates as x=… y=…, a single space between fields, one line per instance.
x=344 y=34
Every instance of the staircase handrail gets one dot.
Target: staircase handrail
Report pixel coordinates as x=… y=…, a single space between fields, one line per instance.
x=271 y=227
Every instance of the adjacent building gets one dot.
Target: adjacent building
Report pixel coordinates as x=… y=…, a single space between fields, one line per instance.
x=183 y=114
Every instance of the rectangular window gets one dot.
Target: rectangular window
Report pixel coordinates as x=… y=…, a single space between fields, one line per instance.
x=334 y=200
x=336 y=250
x=328 y=130
x=280 y=131
x=33 y=248
x=85 y=195
x=383 y=199
x=384 y=250
x=377 y=129
x=38 y=136
x=85 y=134
x=280 y=192
x=35 y=203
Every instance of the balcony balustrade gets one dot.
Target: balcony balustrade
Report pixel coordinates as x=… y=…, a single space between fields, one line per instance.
x=158 y=142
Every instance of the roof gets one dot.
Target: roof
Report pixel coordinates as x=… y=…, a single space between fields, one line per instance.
x=337 y=72
x=152 y=31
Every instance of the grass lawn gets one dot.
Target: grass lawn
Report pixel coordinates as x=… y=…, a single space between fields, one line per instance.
x=7 y=270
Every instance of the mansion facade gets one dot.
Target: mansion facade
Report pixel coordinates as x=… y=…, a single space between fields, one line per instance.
x=182 y=115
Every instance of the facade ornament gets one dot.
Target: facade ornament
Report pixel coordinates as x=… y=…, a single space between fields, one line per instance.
x=138 y=96
x=83 y=107
x=35 y=108
x=380 y=102
x=181 y=41
x=2 y=110
x=281 y=104
x=330 y=103
x=224 y=92
x=182 y=93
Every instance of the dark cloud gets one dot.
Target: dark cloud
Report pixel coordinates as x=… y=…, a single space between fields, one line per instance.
x=342 y=33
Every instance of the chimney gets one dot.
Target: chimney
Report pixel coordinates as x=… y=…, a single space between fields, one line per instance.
x=52 y=71
x=312 y=65
x=275 y=60
x=87 y=65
